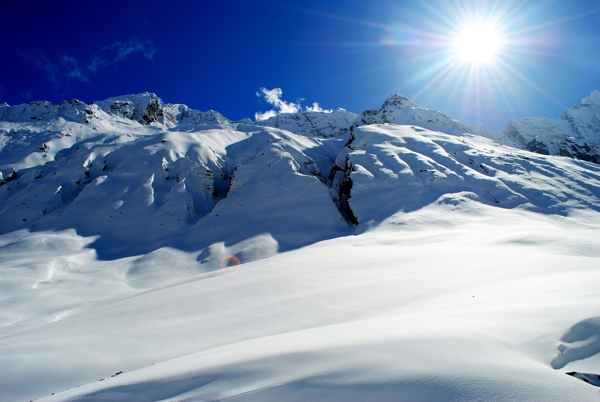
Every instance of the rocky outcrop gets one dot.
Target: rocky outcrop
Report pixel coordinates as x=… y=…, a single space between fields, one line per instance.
x=144 y=108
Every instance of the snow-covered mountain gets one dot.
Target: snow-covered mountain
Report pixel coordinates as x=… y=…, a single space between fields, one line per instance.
x=395 y=254
x=576 y=134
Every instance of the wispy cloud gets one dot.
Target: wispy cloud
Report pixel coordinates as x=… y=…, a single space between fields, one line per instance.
x=27 y=95
x=66 y=68
x=273 y=97
x=123 y=49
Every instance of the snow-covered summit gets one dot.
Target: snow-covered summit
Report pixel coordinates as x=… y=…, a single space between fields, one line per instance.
x=145 y=108
x=398 y=109
x=575 y=134
x=73 y=110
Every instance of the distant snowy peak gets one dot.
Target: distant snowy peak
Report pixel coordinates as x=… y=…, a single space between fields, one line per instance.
x=313 y=124
x=398 y=109
x=575 y=134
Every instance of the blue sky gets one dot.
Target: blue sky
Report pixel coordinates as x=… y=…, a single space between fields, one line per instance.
x=350 y=54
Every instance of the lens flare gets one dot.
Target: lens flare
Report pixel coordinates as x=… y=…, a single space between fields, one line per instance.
x=230 y=261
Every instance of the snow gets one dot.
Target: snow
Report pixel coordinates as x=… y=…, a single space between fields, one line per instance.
x=471 y=272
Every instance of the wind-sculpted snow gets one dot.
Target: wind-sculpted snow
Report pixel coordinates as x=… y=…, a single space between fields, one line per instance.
x=468 y=304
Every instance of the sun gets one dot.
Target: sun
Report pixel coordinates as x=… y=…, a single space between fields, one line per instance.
x=477 y=43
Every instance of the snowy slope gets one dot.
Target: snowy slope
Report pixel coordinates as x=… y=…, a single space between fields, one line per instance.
x=390 y=262
x=410 y=167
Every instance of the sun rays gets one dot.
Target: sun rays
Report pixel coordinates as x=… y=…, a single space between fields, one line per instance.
x=478 y=55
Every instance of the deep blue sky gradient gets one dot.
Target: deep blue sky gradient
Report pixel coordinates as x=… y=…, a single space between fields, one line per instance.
x=350 y=54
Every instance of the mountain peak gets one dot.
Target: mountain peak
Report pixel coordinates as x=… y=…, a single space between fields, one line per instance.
x=145 y=108
x=398 y=109
x=592 y=99
x=398 y=101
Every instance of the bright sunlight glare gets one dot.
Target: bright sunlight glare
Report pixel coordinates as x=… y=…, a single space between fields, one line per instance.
x=477 y=43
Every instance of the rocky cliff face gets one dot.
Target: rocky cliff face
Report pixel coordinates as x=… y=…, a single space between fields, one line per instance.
x=144 y=108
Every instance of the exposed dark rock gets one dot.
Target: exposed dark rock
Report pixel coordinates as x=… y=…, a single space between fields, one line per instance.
x=537 y=147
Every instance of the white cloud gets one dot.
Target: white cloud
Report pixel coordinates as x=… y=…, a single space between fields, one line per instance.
x=316 y=108
x=273 y=97
x=265 y=115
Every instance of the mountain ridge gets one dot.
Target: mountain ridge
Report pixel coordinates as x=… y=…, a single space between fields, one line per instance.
x=575 y=134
